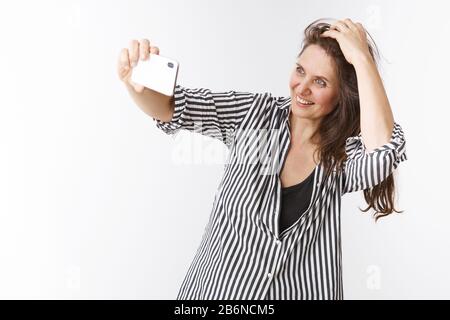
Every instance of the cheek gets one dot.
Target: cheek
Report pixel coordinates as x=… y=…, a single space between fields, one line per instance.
x=325 y=99
x=292 y=82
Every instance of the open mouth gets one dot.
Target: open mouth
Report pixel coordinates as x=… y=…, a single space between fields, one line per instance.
x=303 y=102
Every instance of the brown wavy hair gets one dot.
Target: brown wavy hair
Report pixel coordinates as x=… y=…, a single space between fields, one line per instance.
x=344 y=121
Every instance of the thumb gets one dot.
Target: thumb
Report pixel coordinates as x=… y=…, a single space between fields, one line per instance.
x=136 y=86
x=139 y=88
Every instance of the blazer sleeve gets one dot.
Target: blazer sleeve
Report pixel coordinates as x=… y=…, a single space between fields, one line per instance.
x=213 y=114
x=364 y=170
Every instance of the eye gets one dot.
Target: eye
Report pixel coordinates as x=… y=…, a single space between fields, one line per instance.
x=321 y=83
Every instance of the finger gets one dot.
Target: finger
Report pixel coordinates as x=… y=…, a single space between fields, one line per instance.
x=144 y=49
x=134 y=52
x=136 y=86
x=124 y=59
x=360 y=27
x=123 y=64
x=340 y=26
x=154 y=50
x=333 y=27
x=331 y=33
x=343 y=26
x=349 y=23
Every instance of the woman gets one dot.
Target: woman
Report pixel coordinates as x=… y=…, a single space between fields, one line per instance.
x=274 y=230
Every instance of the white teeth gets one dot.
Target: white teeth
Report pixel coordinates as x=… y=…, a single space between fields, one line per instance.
x=303 y=101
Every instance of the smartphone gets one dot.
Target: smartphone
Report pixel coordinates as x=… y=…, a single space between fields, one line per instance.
x=158 y=73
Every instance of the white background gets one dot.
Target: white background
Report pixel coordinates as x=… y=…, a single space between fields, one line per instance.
x=93 y=201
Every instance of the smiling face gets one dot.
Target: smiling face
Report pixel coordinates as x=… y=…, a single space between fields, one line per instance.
x=315 y=81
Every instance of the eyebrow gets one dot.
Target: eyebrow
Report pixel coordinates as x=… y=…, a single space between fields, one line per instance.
x=321 y=77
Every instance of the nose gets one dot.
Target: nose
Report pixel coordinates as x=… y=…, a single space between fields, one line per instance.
x=303 y=89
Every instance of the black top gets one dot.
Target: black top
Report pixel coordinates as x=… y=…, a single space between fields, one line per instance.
x=294 y=201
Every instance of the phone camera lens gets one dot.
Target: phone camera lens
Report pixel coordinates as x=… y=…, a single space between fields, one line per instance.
x=170 y=64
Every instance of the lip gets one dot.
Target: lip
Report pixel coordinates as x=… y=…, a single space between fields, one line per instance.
x=303 y=105
x=300 y=96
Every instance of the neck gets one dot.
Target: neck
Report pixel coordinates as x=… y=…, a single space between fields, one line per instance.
x=302 y=131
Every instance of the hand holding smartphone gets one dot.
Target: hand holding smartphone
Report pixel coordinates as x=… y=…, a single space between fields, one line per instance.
x=141 y=66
